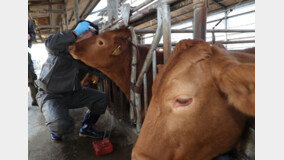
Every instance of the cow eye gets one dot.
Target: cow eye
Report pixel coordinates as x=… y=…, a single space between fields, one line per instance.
x=182 y=101
x=101 y=43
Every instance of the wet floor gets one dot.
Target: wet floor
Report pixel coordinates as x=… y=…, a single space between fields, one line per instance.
x=73 y=147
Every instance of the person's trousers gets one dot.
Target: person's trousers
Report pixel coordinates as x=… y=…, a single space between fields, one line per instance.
x=33 y=90
x=55 y=107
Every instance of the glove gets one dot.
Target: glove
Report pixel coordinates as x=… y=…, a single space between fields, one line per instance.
x=82 y=27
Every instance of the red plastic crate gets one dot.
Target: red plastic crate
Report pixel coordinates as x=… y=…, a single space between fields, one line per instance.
x=103 y=147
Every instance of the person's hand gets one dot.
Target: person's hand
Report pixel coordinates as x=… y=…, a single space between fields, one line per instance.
x=82 y=27
x=29 y=37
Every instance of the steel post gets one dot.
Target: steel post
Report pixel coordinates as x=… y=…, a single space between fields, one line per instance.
x=76 y=11
x=166 y=18
x=66 y=20
x=226 y=26
x=148 y=61
x=145 y=92
x=138 y=111
x=133 y=73
x=144 y=69
x=112 y=10
x=154 y=65
x=200 y=16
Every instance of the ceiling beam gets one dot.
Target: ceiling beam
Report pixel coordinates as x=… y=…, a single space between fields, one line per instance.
x=60 y=11
x=220 y=4
x=45 y=3
x=47 y=26
x=49 y=33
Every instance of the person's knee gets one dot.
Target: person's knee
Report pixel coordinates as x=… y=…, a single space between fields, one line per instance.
x=61 y=126
x=100 y=105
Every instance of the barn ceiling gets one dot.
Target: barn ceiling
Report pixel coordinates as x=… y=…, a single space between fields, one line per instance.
x=49 y=16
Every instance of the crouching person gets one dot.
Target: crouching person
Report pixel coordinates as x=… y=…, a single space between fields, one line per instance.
x=60 y=88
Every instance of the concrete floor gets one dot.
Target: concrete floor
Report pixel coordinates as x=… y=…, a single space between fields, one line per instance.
x=73 y=147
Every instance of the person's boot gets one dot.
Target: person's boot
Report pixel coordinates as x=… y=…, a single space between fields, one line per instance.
x=55 y=138
x=86 y=130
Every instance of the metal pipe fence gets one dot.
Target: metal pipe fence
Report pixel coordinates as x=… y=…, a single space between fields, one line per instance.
x=163 y=28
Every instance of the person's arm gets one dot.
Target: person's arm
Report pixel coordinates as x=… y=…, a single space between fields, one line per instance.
x=58 y=43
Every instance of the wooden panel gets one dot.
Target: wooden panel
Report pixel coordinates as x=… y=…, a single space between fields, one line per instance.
x=41 y=21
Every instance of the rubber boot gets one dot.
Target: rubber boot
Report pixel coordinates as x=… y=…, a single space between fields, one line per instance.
x=87 y=130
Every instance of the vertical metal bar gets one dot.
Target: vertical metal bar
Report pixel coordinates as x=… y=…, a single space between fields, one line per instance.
x=200 y=16
x=138 y=111
x=66 y=20
x=61 y=27
x=154 y=58
x=112 y=10
x=100 y=85
x=115 y=99
x=76 y=11
x=226 y=26
x=154 y=65
x=148 y=60
x=145 y=92
x=166 y=17
x=145 y=68
x=121 y=103
x=133 y=73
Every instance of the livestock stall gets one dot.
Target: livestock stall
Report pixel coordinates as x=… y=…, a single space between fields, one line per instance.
x=150 y=21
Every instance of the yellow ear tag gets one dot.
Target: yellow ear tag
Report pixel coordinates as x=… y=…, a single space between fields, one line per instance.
x=115 y=52
x=94 y=82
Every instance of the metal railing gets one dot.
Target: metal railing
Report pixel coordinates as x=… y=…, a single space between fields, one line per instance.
x=163 y=28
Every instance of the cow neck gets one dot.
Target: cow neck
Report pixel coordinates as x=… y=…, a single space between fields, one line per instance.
x=120 y=74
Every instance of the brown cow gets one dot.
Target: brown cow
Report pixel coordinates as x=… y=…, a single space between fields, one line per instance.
x=202 y=98
x=110 y=52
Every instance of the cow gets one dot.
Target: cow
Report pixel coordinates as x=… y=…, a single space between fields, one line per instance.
x=110 y=52
x=202 y=99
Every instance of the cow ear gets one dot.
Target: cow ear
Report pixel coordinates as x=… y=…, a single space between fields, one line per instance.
x=237 y=81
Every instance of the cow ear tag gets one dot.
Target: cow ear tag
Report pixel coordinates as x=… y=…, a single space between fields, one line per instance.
x=115 y=52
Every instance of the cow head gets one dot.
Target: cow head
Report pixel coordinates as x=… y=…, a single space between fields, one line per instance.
x=108 y=46
x=201 y=101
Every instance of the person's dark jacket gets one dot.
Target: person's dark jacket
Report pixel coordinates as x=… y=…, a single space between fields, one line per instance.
x=60 y=72
x=31 y=72
x=31 y=32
